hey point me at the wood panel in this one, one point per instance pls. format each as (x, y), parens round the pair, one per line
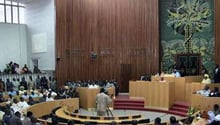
(182, 85)
(117, 31)
(151, 90)
(204, 103)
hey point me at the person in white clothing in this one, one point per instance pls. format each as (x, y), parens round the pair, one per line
(206, 79)
(23, 104)
(204, 92)
(49, 98)
(15, 107)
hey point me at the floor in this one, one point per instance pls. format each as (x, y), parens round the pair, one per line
(146, 114)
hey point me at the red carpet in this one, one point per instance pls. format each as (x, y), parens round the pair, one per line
(124, 102)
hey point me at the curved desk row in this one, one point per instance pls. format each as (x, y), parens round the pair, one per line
(45, 108)
(65, 114)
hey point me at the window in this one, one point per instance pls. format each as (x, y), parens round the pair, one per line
(15, 14)
(11, 11)
(2, 14)
(8, 14)
(8, 2)
(14, 3)
(21, 15)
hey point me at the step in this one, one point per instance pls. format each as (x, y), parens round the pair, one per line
(129, 107)
(179, 109)
(181, 104)
(129, 104)
(129, 100)
(183, 114)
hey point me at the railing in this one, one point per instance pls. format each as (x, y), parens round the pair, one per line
(4, 77)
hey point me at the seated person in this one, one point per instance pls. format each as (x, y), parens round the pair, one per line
(25, 69)
(15, 106)
(206, 79)
(212, 113)
(2, 99)
(157, 121)
(162, 77)
(216, 109)
(53, 94)
(23, 104)
(93, 85)
(214, 92)
(49, 97)
(204, 92)
(12, 92)
(25, 95)
(176, 73)
(173, 121)
(31, 101)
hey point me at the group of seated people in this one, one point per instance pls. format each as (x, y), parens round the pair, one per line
(16, 102)
(211, 117)
(16, 118)
(14, 110)
(94, 84)
(27, 84)
(14, 68)
(173, 121)
(206, 91)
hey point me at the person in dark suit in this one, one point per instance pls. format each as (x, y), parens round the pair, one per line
(16, 119)
(217, 74)
(157, 121)
(214, 92)
(173, 121)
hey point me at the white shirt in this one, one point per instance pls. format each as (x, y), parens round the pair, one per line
(15, 107)
(204, 92)
(93, 86)
(49, 99)
(23, 105)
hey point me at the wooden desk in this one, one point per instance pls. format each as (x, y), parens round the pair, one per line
(99, 119)
(156, 94)
(204, 103)
(45, 108)
(195, 86)
(87, 96)
(182, 86)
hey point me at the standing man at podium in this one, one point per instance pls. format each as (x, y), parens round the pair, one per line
(102, 102)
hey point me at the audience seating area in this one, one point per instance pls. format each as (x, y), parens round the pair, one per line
(4, 77)
(146, 92)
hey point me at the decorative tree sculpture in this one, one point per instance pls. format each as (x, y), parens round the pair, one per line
(187, 17)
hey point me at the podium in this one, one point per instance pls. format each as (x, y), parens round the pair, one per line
(157, 95)
(182, 85)
(87, 96)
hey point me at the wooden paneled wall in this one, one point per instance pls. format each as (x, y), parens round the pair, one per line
(217, 31)
(124, 34)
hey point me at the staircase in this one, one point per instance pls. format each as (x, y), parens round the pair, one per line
(179, 108)
(129, 103)
(124, 102)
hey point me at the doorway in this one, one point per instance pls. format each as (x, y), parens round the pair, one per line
(125, 77)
